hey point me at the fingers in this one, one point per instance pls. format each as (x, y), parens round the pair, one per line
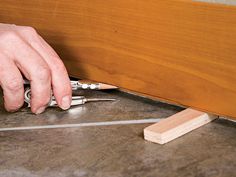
(11, 83)
(24, 50)
(60, 79)
(34, 67)
(38, 74)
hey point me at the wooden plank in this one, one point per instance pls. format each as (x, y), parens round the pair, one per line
(180, 51)
(177, 125)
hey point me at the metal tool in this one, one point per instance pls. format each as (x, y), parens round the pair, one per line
(75, 85)
(85, 85)
(76, 100)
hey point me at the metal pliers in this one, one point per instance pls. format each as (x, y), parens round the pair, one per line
(76, 100)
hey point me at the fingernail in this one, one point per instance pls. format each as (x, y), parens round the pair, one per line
(40, 110)
(65, 102)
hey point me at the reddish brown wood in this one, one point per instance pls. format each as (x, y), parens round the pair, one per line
(180, 51)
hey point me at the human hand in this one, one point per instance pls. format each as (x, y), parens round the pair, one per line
(23, 51)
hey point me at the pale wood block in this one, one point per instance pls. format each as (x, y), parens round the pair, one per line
(177, 125)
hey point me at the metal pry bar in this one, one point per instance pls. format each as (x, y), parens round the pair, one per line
(90, 86)
(79, 100)
(76, 100)
(85, 85)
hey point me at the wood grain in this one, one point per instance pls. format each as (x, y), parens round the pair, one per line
(177, 125)
(177, 50)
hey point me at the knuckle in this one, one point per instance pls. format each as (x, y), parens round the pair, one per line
(13, 106)
(43, 74)
(59, 66)
(42, 101)
(29, 30)
(9, 36)
(14, 84)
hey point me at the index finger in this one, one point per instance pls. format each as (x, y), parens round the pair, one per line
(60, 80)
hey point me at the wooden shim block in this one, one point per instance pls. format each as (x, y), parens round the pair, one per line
(168, 49)
(177, 125)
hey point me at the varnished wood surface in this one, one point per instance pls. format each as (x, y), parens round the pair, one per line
(177, 50)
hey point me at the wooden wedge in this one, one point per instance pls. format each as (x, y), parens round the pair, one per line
(177, 125)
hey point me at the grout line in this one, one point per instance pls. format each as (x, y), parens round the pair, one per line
(90, 124)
